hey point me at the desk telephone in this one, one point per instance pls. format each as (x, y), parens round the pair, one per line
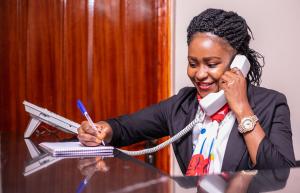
(210, 104)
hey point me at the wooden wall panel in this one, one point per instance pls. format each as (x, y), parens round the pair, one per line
(8, 36)
(44, 67)
(13, 30)
(75, 57)
(144, 73)
(163, 70)
(108, 85)
(141, 59)
(111, 54)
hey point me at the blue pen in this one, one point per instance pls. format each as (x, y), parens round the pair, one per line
(84, 182)
(84, 112)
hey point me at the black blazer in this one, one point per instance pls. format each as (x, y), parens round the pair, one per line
(172, 115)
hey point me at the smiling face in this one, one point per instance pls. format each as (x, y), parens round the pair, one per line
(209, 57)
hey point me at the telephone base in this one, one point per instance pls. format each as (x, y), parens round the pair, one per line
(39, 115)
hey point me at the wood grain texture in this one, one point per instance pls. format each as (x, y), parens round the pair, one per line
(44, 67)
(163, 70)
(13, 33)
(111, 54)
(75, 58)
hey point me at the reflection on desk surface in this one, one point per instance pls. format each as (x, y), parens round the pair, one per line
(25, 168)
(39, 159)
(243, 181)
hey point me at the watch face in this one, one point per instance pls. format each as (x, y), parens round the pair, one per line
(248, 124)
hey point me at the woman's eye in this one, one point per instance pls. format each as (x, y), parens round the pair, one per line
(212, 65)
(193, 65)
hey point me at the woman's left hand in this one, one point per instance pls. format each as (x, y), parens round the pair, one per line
(235, 88)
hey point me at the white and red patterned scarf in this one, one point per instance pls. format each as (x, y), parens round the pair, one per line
(210, 139)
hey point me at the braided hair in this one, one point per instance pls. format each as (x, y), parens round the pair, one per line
(234, 29)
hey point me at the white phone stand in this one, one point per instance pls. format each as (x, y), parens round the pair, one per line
(39, 115)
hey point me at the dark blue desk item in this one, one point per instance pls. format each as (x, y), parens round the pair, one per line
(27, 169)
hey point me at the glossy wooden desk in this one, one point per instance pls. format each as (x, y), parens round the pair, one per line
(30, 170)
(22, 173)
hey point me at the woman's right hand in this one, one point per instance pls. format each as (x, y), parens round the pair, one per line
(89, 137)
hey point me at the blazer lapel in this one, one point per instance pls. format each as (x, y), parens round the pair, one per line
(236, 146)
(185, 144)
(234, 151)
(191, 117)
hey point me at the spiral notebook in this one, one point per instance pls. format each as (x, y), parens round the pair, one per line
(76, 149)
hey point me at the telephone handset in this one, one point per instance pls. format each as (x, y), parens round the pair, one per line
(214, 101)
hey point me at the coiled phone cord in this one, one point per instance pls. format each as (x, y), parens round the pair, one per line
(169, 141)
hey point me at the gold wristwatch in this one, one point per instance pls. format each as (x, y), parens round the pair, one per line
(247, 124)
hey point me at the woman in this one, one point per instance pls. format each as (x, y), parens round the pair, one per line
(252, 131)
